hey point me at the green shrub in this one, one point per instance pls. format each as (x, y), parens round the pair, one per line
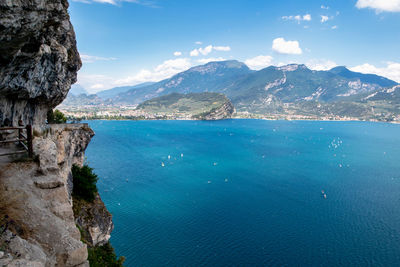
(84, 181)
(55, 116)
(104, 256)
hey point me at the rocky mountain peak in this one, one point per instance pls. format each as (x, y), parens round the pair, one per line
(339, 69)
(292, 67)
(212, 67)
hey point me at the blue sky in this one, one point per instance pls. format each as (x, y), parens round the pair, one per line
(126, 42)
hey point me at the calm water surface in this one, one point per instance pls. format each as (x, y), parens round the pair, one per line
(248, 192)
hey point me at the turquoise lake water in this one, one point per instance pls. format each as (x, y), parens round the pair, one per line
(248, 192)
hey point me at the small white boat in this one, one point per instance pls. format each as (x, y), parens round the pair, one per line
(162, 164)
(169, 156)
(325, 196)
(181, 155)
(226, 180)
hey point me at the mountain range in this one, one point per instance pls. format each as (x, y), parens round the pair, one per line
(290, 83)
(289, 89)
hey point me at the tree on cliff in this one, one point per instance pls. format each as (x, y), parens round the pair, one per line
(56, 116)
(84, 181)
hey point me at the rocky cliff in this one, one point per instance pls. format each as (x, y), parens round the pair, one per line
(38, 63)
(94, 221)
(36, 204)
(38, 58)
(225, 111)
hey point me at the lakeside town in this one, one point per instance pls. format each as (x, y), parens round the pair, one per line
(131, 112)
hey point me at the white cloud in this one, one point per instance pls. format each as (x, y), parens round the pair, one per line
(391, 70)
(380, 5)
(97, 86)
(91, 59)
(321, 64)
(94, 82)
(307, 17)
(324, 18)
(259, 62)
(324, 7)
(210, 59)
(199, 43)
(165, 70)
(172, 66)
(208, 49)
(177, 53)
(194, 53)
(222, 48)
(298, 18)
(334, 27)
(281, 46)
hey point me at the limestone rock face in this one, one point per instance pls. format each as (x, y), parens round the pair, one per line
(36, 203)
(38, 63)
(94, 220)
(61, 145)
(223, 112)
(30, 254)
(38, 58)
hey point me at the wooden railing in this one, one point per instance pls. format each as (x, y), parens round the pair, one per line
(24, 139)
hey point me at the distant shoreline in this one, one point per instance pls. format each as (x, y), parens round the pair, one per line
(266, 119)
